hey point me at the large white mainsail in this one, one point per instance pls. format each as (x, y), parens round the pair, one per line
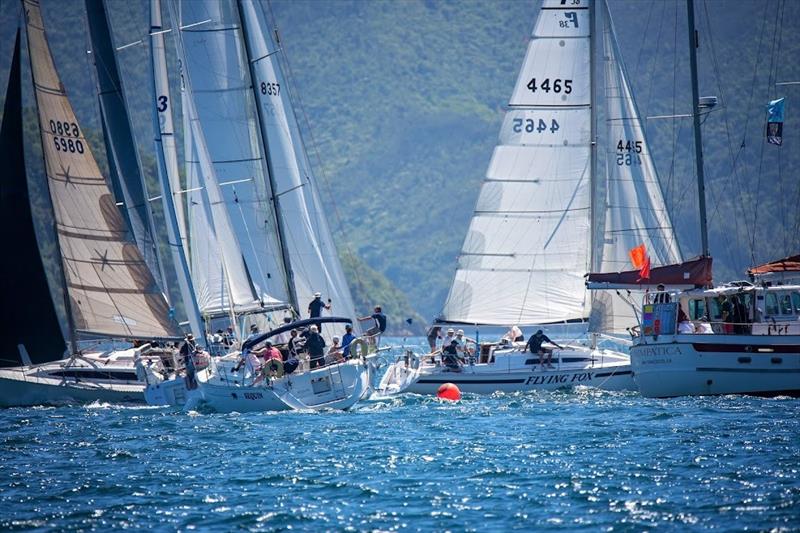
(222, 278)
(528, 244)
(315, 265)
(548, 210)
(111, 290)
(219, 89)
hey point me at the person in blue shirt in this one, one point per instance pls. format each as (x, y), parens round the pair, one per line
(347, 338)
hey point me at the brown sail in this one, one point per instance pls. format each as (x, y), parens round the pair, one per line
(111, 290)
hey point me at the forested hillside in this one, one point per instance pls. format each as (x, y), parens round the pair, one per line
(405, 98)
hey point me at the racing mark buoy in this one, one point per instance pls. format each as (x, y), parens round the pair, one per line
(448, 391)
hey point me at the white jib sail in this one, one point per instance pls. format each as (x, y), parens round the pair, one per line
(635, 211)
(111, 290)
(527, 248)
(314, 259)
(222, 97)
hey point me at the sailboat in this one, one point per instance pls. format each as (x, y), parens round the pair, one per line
(696, 339)
(255, 227)
(108, 289)
(561, 197)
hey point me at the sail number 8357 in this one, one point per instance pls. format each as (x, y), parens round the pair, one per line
(65, 136)
(530, 125)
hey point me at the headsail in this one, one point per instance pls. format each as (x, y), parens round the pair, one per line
(123, 157)
(29, 321)
(528, 244)
(111, 290)
(313, 256)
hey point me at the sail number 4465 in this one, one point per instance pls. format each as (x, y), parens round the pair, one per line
(557, 85)
(530, 125)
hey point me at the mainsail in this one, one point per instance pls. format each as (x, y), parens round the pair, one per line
(548, 212)
(30, 330)
(225, 135)
(111, 290)
(314, 262)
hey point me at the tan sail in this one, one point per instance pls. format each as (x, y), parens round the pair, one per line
(111, 290)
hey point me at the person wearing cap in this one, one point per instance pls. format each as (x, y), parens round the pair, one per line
(450, 356)
(450, 337)
(347, 338)
(535, 346)
(315, 345)
(462, 342)
(380, 324)
(662, 297)
(317, 305)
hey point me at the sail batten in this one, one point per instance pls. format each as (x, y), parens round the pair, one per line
(111, 290)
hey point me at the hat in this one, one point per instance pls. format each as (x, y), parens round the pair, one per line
(253, 327)
(314, 327)
(450, 331)
(348, 327)
(190, 336)
(460, 332)
(660, 286)
(268, 344)
(317, 294)
(539, 332)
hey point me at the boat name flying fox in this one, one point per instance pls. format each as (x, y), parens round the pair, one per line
(559, 378)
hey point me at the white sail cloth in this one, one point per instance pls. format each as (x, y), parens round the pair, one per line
(547, 212)
(111, 290)
(312, 253)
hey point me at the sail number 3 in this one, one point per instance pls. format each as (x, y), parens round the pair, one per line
(65, 136)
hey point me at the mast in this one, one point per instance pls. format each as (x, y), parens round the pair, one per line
(698, 140)
(162, 103)
(595, 257)
(281, 231)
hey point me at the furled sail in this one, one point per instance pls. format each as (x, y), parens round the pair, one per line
(30, 333)
(225, 132)
(528, 244)
(123, 158)
(111, 290)
(313, 258)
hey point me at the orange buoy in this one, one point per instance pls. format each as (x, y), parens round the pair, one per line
(448, 391)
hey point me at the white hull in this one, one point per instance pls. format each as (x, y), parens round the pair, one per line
(514, 371)
(106, 377)
(682, 365)
(219, 389)
(19, 387)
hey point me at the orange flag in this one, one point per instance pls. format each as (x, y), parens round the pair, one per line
(638, 255)
(644, 272)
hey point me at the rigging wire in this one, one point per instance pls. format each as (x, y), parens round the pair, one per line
(347, 248)
(770, 82)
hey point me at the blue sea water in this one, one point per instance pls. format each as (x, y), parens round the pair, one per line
(561, 461)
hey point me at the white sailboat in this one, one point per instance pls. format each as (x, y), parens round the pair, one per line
(553, 206)
(685, 344)
(108, 288)
(258, 153)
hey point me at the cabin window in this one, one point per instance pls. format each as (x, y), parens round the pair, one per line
(697, 309)
(786, 304)
(796, 302)
(715, 312)
(771, 304)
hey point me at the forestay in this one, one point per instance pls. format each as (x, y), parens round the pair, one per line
(312, 253)
(111, 290)
(528, 244)
(225, 133)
